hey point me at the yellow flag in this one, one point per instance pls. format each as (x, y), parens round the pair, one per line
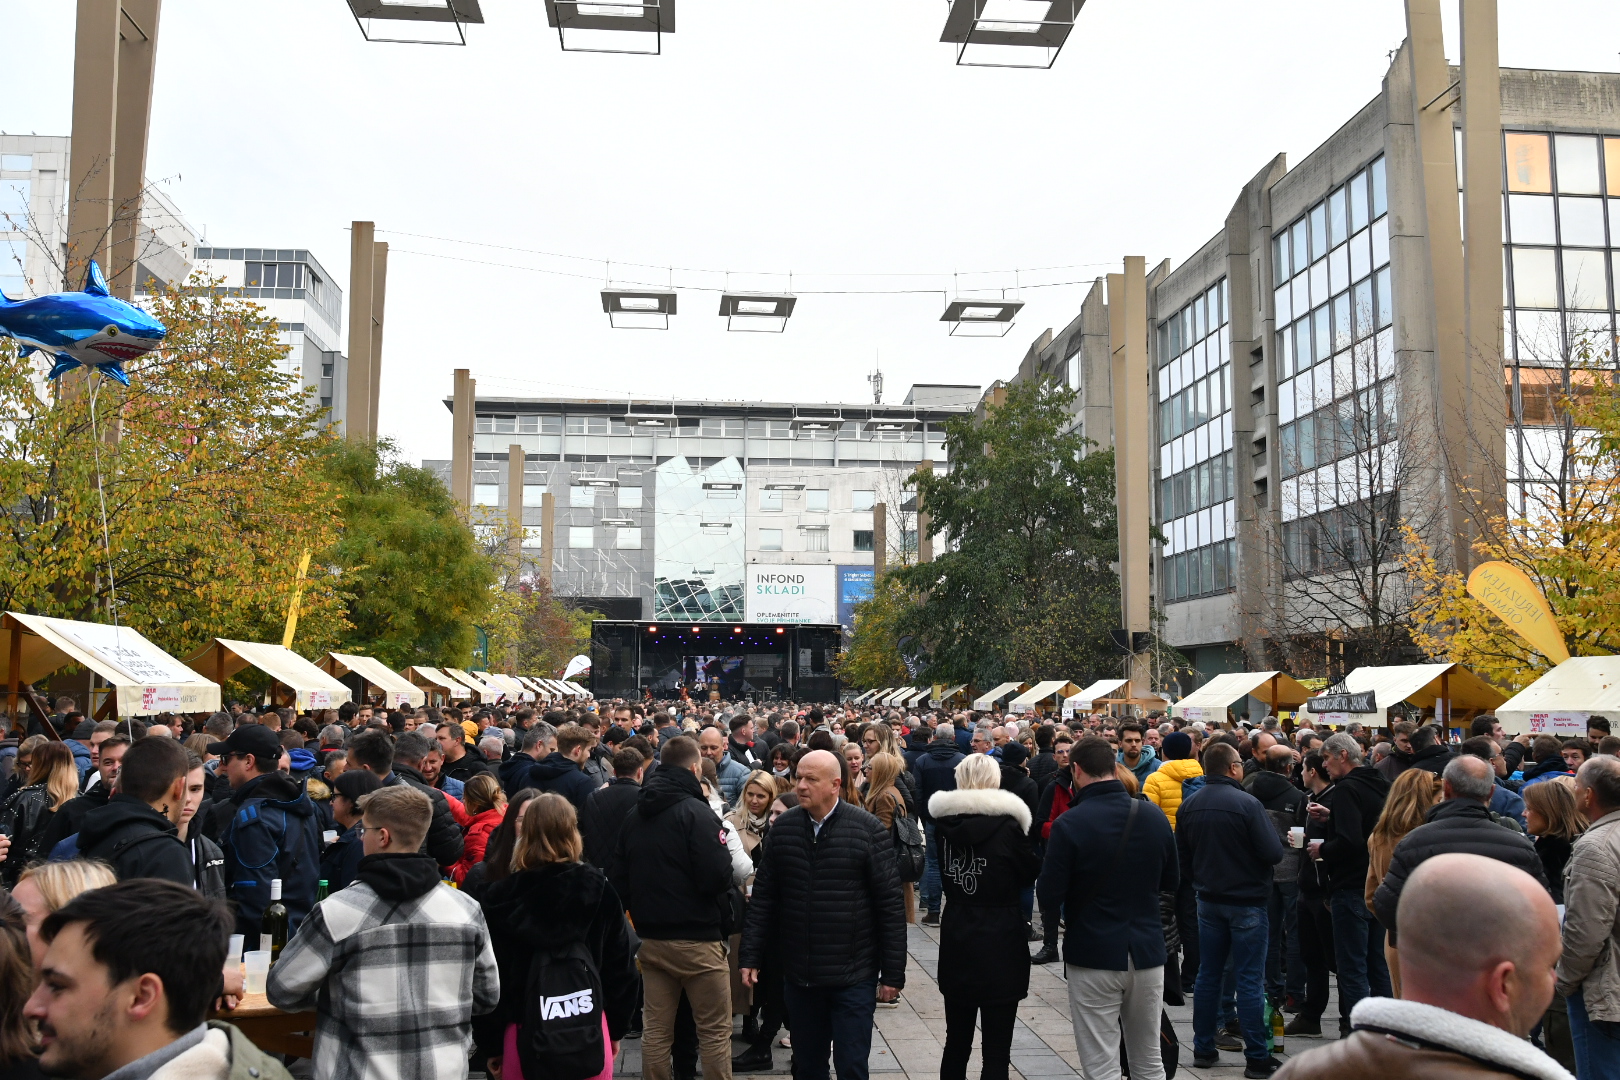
(1514, 598)
(292, 608)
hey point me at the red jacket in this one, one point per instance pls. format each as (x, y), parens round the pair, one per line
(477, 839)
(1062, 799)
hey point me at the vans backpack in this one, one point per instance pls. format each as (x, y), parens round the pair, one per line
(562, 1016)
(908, 847)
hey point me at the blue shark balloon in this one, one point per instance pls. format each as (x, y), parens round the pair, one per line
(91, 328)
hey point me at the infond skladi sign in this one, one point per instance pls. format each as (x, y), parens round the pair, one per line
(1363, 702)
(786, 593)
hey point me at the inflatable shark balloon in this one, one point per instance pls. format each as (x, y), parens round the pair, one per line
(91, 328)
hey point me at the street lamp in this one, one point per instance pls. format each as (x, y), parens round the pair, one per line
(760, 313)
(981, 318)
(638, 309)
(427, 22)
(612, 26)
(1009, 33)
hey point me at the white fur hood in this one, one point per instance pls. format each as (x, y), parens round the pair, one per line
(983, 801)
(1447, 1030)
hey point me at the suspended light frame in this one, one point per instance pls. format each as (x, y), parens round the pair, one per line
(759, 313)
(374, 16)
(638, 309)
(1009, 33)
(981, 318)
(636, 27)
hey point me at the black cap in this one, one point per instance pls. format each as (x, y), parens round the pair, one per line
(354, 784)
(255, 739)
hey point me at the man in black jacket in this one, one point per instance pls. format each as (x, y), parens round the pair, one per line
(563, 772)
(673, 871)
(1043, 766)
(1108, 882)
(401, 764)
(602, 819)
(1461, 822)
(1228, 848)
(935, 770)
(828, 895)
(1358, 799)
(534, 746)
(741, 745)
(1285, 807)
(461, 761)
(136, 832)
(70, 818)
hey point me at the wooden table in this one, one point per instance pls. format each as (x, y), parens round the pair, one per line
(270, 1029)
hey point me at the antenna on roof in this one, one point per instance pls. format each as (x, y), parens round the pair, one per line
(876, 380)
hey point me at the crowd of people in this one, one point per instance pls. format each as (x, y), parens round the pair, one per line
(516, 889)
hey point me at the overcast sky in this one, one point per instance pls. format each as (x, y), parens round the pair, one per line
(827, 138)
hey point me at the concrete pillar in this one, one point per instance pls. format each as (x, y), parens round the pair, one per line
(548, 528)
(1128, 337)
(880, 536)
(1481, 97)
(514, 507)
(925, 535)
(137, 55)
(461, 440)
(379, 296)
(92, 164)
(368, 285)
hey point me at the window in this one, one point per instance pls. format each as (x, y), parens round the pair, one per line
(506, 425)
(815, 501)
(533, 494)
(534, 536)
(586, 425)
(1532, 219)
(861, 501)
(1528, 164)
(274, 275)
(581, 495)
(14, 202)
(1535, 282)
(17, 162)
(629, 538)
(528, 425)
(629, 498)
(770, 539)
(717, 428)
(581, 536)
(486, 495)
(863, 539)
(770, 500)
(815, 540)
(484, 423)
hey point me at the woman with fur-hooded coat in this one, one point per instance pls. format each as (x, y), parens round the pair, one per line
(985, 863)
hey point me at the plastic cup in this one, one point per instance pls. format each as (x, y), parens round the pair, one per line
(255, 970)
(329, 837)
(1296, 836)
(233, 954)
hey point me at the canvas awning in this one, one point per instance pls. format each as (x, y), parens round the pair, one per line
(146, 679)
(518, 691)
(868, 696)
(1038, 693)
(577, 690)
(396, 689)
(948, 694)
(552, 687)
(311, 688)
(483, 693)
(916, 698)
(1562, 700)
(1419, 684)
(532, 685)
(1101, 690)
(434, 680)
(1210, 701)
(893, 696)
(986, 702)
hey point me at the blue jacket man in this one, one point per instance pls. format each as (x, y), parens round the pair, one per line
(934, 770)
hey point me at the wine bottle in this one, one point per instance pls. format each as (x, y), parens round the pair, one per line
(275, 921)
(320, 891)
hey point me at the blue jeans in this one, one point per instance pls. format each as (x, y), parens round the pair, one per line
(1228, 931)
(1597, 1051)
(1358, 945)
(933, 890)
(1284, 937)
(831, 1018)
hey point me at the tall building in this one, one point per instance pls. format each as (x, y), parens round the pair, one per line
(1324, 366)
(294, 288)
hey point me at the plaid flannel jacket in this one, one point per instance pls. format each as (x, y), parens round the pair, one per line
(394, 985)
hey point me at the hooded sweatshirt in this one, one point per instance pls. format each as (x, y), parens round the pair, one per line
(672, 862)
(136, 841)
(1146, 763)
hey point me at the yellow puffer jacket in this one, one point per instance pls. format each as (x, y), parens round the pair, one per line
(1163, 785)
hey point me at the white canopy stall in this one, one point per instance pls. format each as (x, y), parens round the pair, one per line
(396, 689)
(1565, 698)
(1041, 694)
(483, 693)
(438, 686)
(145, 679)
(986, 702)
(294, 680)
(1367, 693)
(1210, 701)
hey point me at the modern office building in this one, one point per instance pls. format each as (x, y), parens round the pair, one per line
(292, 287)
(1330, 361)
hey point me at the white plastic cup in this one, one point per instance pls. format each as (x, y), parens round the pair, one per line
(1296, 836)
(255, 970)
(233, 954)
(329, 837)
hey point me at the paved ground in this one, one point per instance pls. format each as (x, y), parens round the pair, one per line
(909, 1039)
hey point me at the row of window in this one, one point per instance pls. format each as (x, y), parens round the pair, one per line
(1582, 165)
(1331, 222)
(1351, 316)
(1353, 425)
(1202, 572)
(1199, 403)
(816, 500)
(1358, 368)
(1191, 490)
(629, 538)
(1345, 536)
(704, 427)
(1197, 320)
(1571, 278)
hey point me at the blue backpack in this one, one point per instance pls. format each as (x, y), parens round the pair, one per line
(1191, 786)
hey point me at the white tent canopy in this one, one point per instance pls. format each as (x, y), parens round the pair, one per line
(432, 678)
(1420, 684)
(948, 692)
(1210, 701)
(1562, 700)
(1040, 692)
(396, 689)
(147, 680)
(871, 696)
(1102, 688)
(482, 692)
(986, 702)
(311, 687)
(518, 691)
(577, 690)
(897, 696)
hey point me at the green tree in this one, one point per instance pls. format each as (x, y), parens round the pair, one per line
(873, 658)
(1026, 587)
(410, 568)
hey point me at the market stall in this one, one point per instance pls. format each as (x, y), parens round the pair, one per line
(1043, 696)
(987, 702)
(145, 679)
(516, 689)
(1103, 693)
(439, 688)
(1367, 694)
(1211, 701)
(294, 680)
(950, 697)
(870, 696)
(395, 689)
(577, 690)
(481, 692)
(1565, 698)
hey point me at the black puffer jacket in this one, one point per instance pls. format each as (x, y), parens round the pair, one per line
(603, 817)
(1455, 825)
(136, 841)
(1042, 767)
(1285, 806)
(831, 903)
(935, 770)
(70, 819)
(671, 866)
(1016, 779)
(985, 863)
(444, 835)
(546, 907)
(1358, 799)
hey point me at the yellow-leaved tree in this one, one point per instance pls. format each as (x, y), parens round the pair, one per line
(1562, 528)
(210, 471)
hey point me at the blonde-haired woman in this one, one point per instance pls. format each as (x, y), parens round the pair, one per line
(1411, 797)
(53, 779)
(885, 800)
(48, 887)
(551, 900)
(985, 862)
(1554, 820)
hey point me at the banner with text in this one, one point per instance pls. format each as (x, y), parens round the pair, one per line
(785, 593)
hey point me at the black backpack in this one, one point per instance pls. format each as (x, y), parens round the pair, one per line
(908, 847)
(562, 1016)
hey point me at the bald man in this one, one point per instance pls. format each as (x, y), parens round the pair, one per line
(1470, 993)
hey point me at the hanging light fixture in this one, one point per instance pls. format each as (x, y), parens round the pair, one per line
(421, 22)
(981, 318)
(612, 26)
(765, 313)
(1009, 33)
(638, 309)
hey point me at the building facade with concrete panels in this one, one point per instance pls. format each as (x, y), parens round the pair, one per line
(1301, 372)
